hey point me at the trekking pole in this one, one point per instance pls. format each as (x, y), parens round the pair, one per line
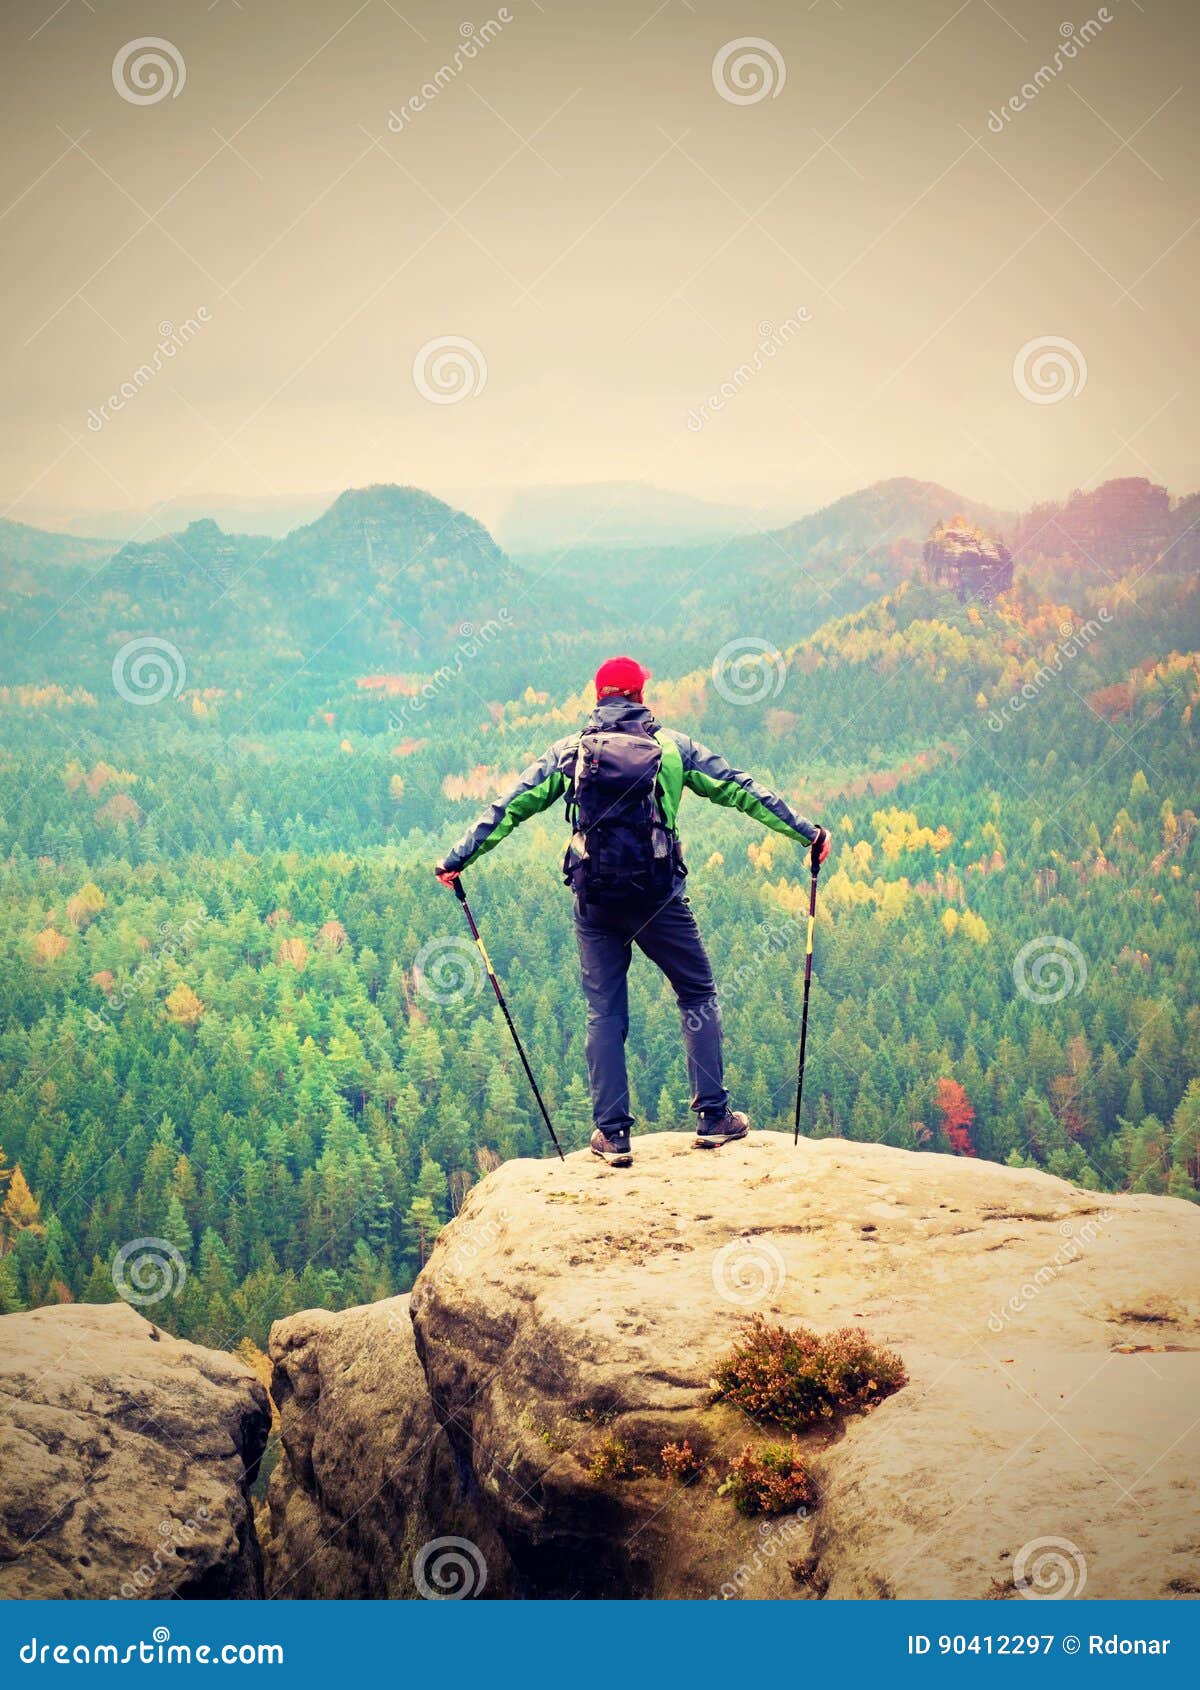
(815, 869)
(491, 973)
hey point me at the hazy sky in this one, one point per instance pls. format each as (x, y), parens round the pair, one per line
(613, 236)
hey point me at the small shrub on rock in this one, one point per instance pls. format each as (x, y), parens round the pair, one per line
(771, 1480)
(680, 1461)
(796, 1378)
(615, 1459)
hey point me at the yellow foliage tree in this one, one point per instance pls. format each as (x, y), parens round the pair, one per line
(20, 1211)
(293, 951)
(85, 905)
(183, 1006)
(49, 945)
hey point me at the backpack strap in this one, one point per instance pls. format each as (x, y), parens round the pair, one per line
(570, 801)
(670, 778)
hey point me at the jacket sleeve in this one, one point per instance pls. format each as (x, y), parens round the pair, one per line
(708, 774)
(536, 789)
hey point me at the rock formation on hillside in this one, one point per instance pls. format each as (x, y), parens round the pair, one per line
(126, 1458)
(959, 555)
(568, 1325)
(368, 1474)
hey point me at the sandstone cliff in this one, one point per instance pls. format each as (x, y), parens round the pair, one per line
(125, 1460)
(958, 554)
(569, 1323)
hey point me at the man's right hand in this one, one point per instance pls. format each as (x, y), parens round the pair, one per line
(447, 876)
(826, 840)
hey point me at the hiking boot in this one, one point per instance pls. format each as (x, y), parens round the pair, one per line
(612, 1148)
(710, 1134)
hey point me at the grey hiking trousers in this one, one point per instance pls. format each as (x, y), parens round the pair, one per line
(668, 935)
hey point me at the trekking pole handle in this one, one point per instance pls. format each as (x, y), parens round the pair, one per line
(814, 863)
(458, 891)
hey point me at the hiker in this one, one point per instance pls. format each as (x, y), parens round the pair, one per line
(622, 779)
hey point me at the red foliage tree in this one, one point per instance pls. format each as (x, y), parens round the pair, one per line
(957, 1115)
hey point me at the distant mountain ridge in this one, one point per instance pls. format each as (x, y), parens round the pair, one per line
(618, 513)
(393, 573)
(21, 543)
(878, 516)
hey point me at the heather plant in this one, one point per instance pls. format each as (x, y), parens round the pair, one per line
(680, 1461)
(771, 1480)
(795, 1378)
(615, 1459)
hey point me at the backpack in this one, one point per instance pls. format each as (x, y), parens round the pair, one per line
(620, 850)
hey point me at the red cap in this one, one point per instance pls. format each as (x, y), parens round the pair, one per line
(621, 674)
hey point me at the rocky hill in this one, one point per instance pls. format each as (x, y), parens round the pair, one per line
(568, 1325)
(959, 555)
(126, 1459)
(502, 1432)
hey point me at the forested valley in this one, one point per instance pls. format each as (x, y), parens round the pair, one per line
(238, 1014)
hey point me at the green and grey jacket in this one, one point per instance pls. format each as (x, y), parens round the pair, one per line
(684, 764)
